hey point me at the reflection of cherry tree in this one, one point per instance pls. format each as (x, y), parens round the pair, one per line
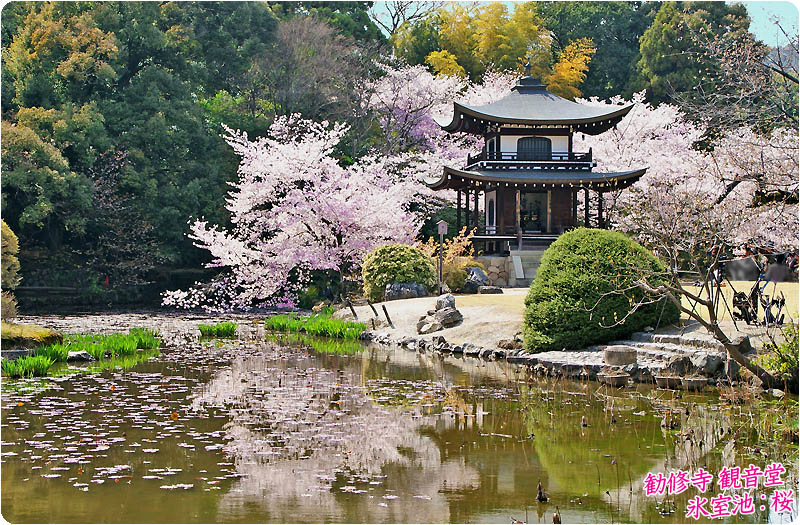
(314, 433)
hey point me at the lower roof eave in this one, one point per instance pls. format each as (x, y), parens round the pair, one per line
(453, 178)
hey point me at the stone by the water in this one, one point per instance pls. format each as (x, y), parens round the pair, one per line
(619, 355)
(80, 356)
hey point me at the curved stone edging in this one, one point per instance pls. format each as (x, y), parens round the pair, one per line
(583, 365)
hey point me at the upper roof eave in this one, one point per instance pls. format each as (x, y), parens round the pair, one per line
(460, 109)
(590, 179)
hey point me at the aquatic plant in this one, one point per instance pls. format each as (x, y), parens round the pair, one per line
(96, 350)
(28, 366)
(57, 352)
(98, 345)
(8, 367)
(145, 338)
(120, 344)
(319, 324)
(224, 329)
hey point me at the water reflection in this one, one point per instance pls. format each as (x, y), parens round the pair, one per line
(281, 433)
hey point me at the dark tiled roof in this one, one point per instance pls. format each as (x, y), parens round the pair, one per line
(529, 103)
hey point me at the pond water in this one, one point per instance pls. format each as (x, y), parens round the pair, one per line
(269, 430)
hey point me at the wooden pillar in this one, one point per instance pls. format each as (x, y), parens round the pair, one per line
(499, 221)
(466, 208)
(458, 210)
(574, 221)
(516, 221)
(586, 202)
(476, 209)
(600, 210)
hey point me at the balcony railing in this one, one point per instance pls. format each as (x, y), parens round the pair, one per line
(502, 160)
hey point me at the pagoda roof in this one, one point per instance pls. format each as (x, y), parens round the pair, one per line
(530, 104)
(452, 178)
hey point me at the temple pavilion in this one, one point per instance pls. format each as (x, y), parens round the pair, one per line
(527, 172)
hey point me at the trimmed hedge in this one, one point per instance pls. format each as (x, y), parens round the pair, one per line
(566, 308)
(396, 263)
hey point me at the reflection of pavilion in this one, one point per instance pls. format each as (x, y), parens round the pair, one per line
(527, 171)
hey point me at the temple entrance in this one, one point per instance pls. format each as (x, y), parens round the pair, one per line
(533, 212)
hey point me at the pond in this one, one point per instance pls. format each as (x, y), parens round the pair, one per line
(272, 429)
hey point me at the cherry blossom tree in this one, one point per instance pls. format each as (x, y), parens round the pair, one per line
(693, 205)
(294, 209)
(409, 102)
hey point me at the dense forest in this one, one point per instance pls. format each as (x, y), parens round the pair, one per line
(112, 112)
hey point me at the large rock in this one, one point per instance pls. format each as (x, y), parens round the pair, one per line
(509, 344)
(619, 355)
(470, 287)
(427, 327)
(81, 356)
(680, 365)
(448, 317)
(489, 290)
(404, 291)
(708, 364)
(445, 301)
(476, 275)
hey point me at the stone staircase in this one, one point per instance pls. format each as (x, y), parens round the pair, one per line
(526, 263)
(656, 351)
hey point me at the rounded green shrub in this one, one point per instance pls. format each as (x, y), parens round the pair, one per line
(454, 277)
(584, 289)
(396, 263)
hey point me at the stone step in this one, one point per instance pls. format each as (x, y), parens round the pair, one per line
(664, 349)
(677, 339)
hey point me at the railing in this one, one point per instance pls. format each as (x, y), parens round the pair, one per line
(503, 160)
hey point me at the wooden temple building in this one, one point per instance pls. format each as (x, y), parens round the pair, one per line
(527, 171)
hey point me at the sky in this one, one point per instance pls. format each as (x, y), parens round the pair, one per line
(761, 15)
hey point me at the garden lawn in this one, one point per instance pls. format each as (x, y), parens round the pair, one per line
(790, 291)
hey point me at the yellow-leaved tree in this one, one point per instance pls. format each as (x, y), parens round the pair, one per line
(570, 69)
(474, 38)
(444, 63)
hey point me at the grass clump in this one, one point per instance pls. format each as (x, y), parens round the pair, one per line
(58, 352)
(123, 349)
(224, 329)
(320, 324)
(146, 339)
(28, 366)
